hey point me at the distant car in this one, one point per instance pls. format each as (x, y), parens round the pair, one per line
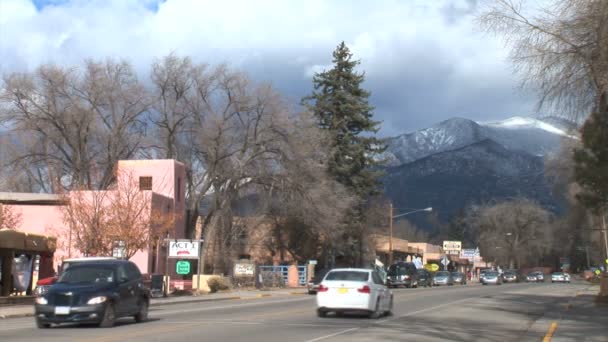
(492, 278)
(345, 290)
(560, 277)
(94, 292)
(402, 274)
(443, 278)
(540, 276)
(43, 285)
(425, 278)
(509, 277)
(313, 285)
(459, 278)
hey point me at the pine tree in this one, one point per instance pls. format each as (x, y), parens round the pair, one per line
(591, 168)
(341, 107)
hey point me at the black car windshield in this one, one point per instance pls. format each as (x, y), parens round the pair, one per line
(347, 276)
(398, 269)
(89, 274)
(442, 274)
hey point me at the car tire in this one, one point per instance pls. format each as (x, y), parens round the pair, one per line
(42, 325)
(321, 313)
(109, 316)
(376, 313)
(142, 315)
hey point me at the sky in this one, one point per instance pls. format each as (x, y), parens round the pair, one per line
(425, 60)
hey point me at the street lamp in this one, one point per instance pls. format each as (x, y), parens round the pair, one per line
(392, 217)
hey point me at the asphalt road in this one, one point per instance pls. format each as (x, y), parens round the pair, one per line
(511, 312)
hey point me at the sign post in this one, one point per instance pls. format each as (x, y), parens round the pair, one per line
(183, 249)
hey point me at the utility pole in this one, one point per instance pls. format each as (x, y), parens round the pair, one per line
(605, 231)
(390, 237)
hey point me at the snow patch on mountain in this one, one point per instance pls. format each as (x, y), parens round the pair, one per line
(518, 122)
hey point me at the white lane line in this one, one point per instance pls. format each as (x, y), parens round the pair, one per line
(333, 335)
(210, 308)
(421, 311)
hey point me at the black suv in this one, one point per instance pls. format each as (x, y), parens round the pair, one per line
(402, 274)
(96, 292)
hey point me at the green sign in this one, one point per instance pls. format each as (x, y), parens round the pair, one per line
(182, 267)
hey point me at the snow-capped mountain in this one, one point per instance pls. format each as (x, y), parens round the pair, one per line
(534, 136)
(460, 162)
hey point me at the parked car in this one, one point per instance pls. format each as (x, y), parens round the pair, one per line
(402, 274)
(354, 290)
(540, 276)
(459, 278)
(42, 285)
(425, 278)
(531, 277)
(94, 292)
(560, 277)
(313, 284)
(510, 277)
(443, 278)
(492, 277)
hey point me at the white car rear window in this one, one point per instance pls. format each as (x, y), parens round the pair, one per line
(348, 276)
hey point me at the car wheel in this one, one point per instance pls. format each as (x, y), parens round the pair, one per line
(321, 313)
(142, 315)
(42, 325)
(109, 317)
(376, 313)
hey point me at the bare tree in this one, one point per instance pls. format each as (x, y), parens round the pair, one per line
(75, 124)
(137, 217)
(87, 217)
(511, 232)
(560, 48)
(9, 218)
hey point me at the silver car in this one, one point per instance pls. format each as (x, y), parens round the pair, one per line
(491, 278)
(443, 278)
(459, 278)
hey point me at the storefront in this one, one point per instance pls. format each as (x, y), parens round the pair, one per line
(23, 259)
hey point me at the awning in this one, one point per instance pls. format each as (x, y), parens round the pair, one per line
(26, 242)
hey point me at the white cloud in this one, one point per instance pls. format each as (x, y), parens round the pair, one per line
(392, 38)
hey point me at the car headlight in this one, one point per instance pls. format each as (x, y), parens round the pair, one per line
(97, 300)
(41, 301)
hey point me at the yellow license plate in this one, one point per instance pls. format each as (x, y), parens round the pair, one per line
(342, 290)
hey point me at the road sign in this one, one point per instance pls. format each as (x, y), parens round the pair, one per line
(445, 261)
(432, 267)
(182, 267)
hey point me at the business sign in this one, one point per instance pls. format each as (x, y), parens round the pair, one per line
(432, 267)
(182, 267)
(183, 249)
(244, 269)
(452, 245)
(470, 254)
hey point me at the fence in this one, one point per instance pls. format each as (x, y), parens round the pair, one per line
(278, 276)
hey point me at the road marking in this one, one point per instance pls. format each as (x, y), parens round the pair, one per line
(333, 335)
(550, 332)
(423, 310)
(210, 308)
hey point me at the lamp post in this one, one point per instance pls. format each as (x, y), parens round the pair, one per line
(392, 217)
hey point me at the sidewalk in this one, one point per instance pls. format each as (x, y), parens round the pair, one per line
(583, 319)
(15, 311)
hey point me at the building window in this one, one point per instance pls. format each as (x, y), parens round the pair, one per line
(179, 188)
(145, 183)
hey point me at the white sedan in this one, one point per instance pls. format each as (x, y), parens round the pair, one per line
(354, 290)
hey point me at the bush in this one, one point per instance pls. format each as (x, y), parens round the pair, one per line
(217, 284)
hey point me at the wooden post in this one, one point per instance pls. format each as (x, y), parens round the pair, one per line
(390, 237)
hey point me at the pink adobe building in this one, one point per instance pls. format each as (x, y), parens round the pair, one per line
(162, 180)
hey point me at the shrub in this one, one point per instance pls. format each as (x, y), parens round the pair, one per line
(217, 284)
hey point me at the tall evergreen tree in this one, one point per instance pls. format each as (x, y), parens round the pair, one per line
(591, 168)
(341, 106)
